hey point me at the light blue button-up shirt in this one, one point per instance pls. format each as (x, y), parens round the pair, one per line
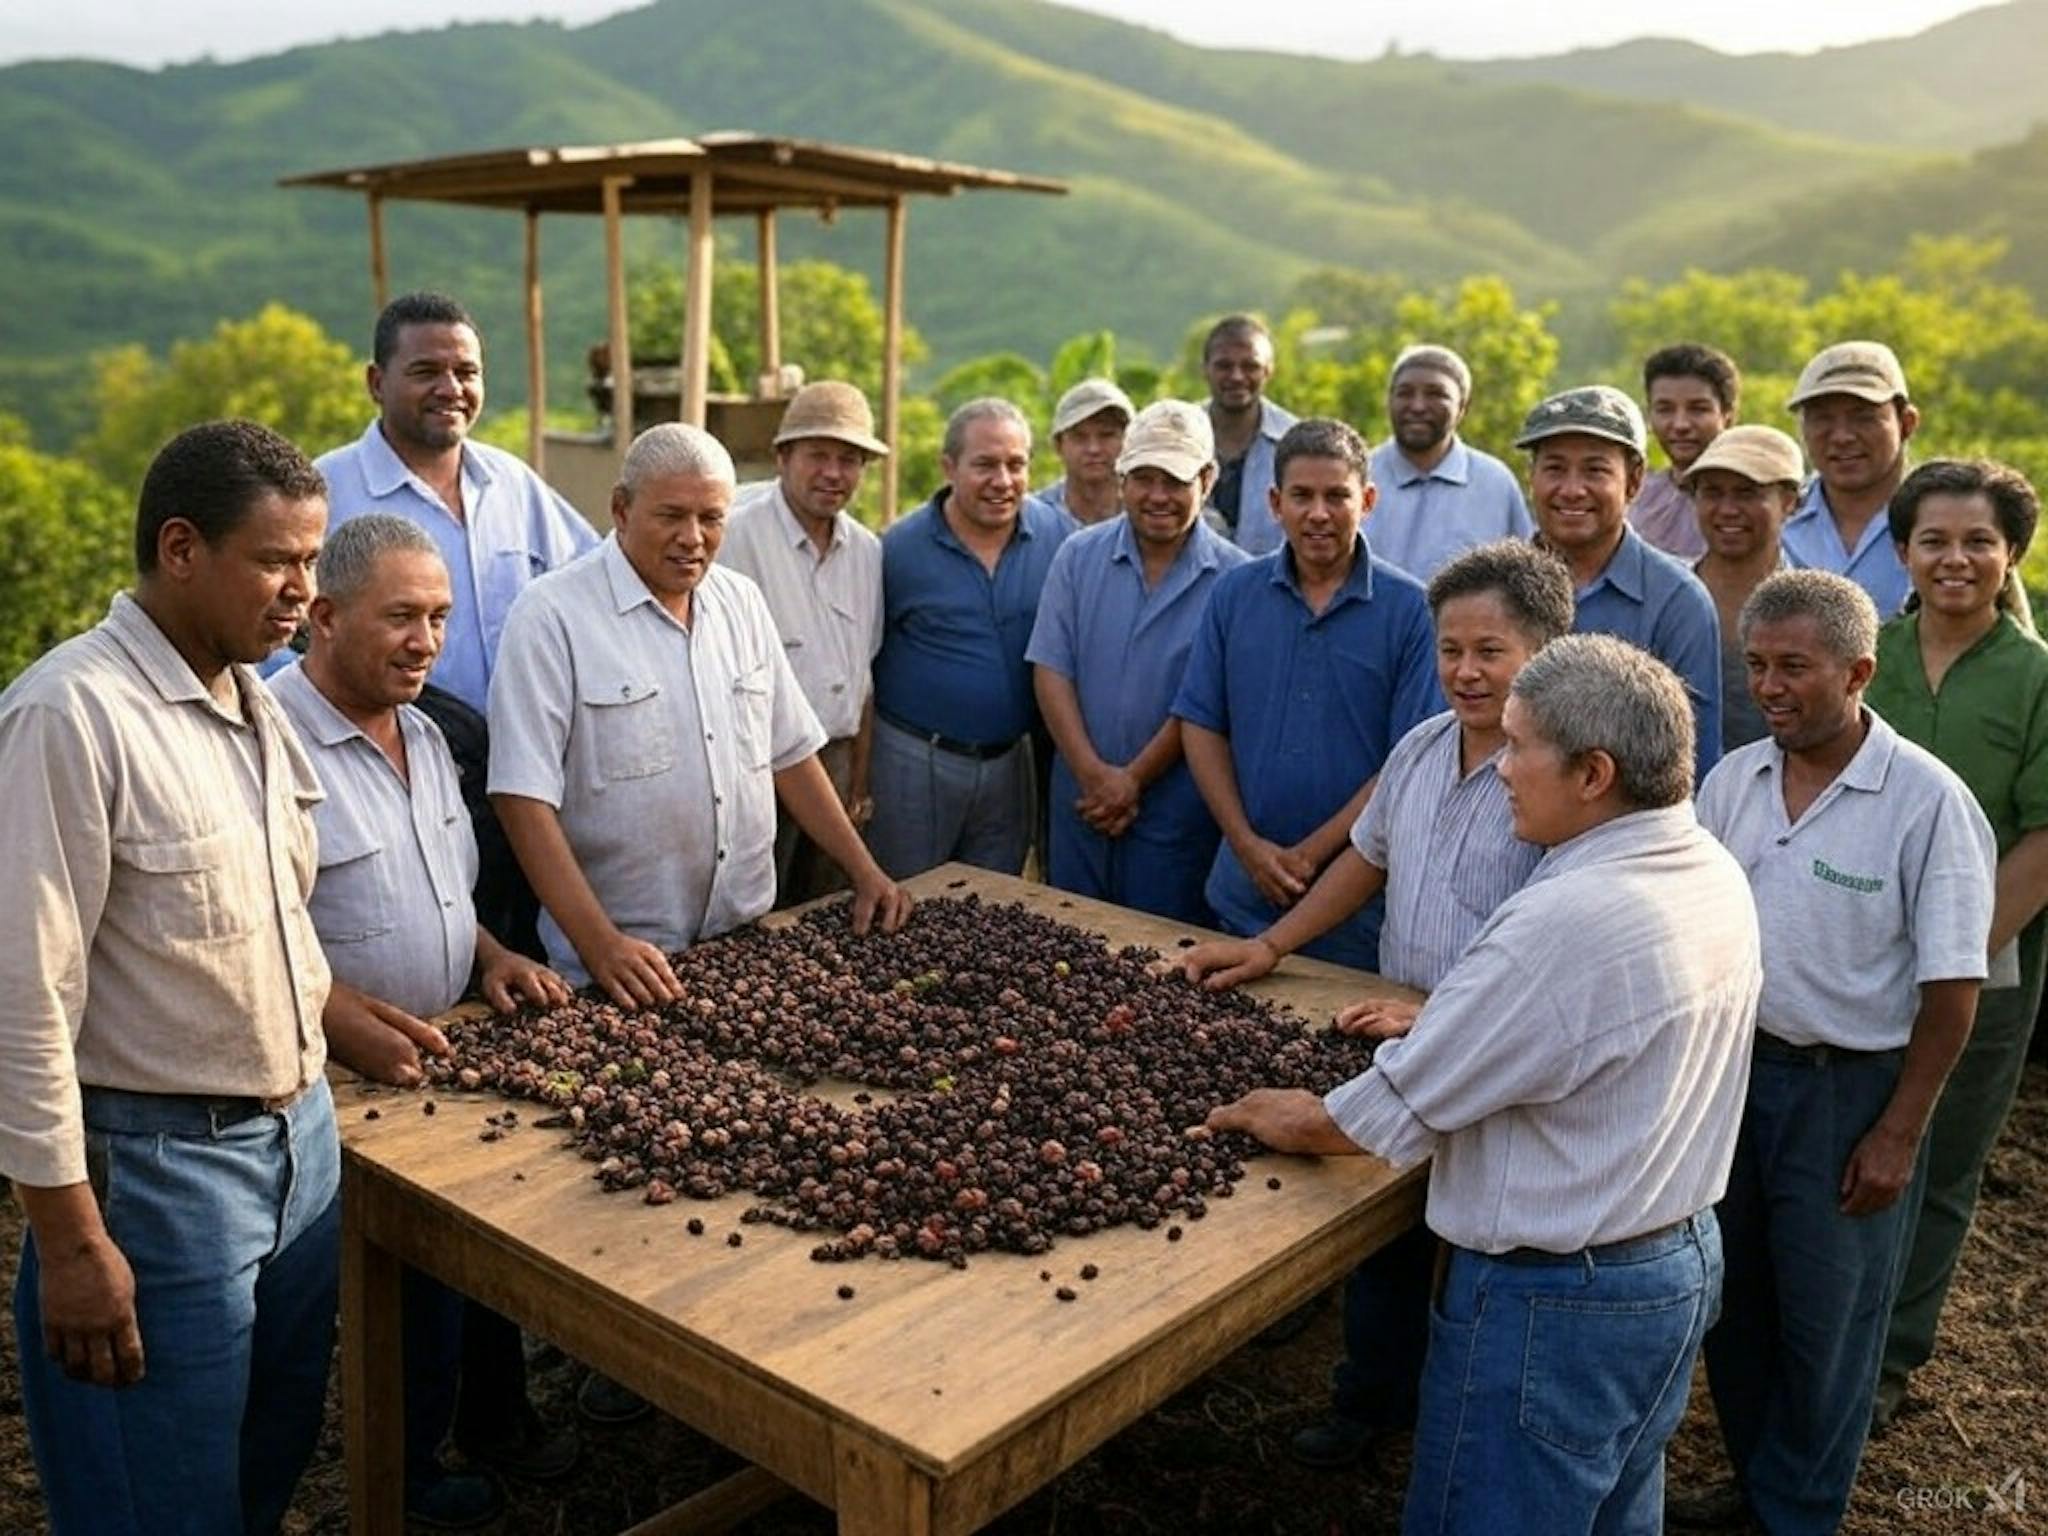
(398, 858)
(1648, 599)
(1258, 530)
(514, 527)
(1426, 517)
(1812, 541)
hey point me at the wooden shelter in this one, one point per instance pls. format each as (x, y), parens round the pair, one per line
(719, 174)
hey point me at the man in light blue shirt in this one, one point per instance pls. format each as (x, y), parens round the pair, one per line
(1856, 420)
(1115, 623)
(497, 523)
(1237, 360)
(1438, 495)
(1586, 449)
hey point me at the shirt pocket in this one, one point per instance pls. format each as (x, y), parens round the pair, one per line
(631, 733)
(753, 709)
(353, 898)
(191, 887)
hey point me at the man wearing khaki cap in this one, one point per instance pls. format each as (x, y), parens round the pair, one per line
(1088, 432)
(1741, 488)
(821, 572)
(1856, 419)
(1115, 623)
(1586, 449)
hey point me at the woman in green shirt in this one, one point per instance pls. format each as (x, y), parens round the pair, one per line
(1962, 673)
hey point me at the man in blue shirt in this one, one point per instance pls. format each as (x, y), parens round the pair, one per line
(1237, 360)
(951, 769)
(1308, 666)
(1856, 421)
(497, 523)
(1586, 450)
(1118, 616)
(1438, 495)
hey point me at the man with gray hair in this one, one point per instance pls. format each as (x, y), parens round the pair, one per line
(1579, 1102)
(643, 729)
(961, 577)
(1438, 495)
(1872, 868)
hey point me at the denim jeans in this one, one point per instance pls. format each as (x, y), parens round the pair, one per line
(233, 1236)
(1793, 1361)
(1552, 1386)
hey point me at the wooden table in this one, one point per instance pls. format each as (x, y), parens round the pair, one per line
(932, 1401)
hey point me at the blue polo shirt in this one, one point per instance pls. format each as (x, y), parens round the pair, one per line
(953, 634)
(1652, 601)
(1311, 704)
(1812, 541)
(1424, 518)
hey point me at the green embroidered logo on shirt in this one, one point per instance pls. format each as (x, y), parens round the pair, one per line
(1869, 885)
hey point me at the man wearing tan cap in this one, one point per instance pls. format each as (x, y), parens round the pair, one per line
(821, 572)
(1115, 622)
(1088, 432)
(1856, 419)
(1742, 486)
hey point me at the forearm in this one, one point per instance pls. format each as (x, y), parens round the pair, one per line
(1347, 884)
(806, 792)
(1942, 1029)
(542, 848)
(1334, 835)
(1158, 754)
(1215, 776)
(1060, 707)
(2022, 888)
(64, 1217)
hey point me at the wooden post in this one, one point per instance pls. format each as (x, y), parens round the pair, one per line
(536, 352)
(892, 354)
(697, 303)
(615, 291)
(380, 280)
(771, 312)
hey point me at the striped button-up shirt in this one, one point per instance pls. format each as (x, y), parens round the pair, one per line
(398, 858)
(1578, 1077)
(1446, 839)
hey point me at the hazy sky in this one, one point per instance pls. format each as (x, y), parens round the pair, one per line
(152, 32)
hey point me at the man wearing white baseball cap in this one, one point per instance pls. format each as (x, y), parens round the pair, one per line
(1088, 433)
(1856, 418)
(1115, 623)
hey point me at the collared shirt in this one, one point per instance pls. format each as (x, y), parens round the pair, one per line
(1666, 518)
(1251, 525)
(1055, 496)
(1579, 1076)
(1813, 542)
(952, 658)
(1311, 704)
(1446, 839)
(1883, 883)
(157, 939)
(656, 744)
(398, 859)
(514, 527)
(1647, 598)
(828, 611)
(1424, 518)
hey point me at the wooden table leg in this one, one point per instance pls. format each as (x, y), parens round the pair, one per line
(372, 1379)
(875, 1492)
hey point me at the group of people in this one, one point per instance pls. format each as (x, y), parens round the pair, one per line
(1687, 1026)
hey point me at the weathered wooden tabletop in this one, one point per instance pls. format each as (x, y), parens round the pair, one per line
(932, 1400)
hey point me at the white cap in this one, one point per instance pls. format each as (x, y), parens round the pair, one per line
(1089, 398)
(1171, 435)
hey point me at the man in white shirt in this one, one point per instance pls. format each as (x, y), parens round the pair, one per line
(1580, 1102)
(821, 572)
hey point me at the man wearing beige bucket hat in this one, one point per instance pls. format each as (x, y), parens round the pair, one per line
(1088, 433)
(821, 572)
(1857, 419)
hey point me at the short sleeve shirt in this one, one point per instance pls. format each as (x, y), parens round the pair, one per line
(1425, 518)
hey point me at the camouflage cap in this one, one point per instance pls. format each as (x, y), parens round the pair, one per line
(1597, 410)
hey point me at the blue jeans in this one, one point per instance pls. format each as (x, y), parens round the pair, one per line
(233, 1235)
(1552, 1386)
(932, 805)
(1793, 1361)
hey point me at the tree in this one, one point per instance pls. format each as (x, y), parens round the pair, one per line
(66, 546)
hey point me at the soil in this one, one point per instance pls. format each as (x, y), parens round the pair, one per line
(1215, 1457)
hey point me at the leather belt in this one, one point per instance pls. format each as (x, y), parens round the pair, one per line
(979, 751)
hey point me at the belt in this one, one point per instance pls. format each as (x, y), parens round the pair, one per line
(188, 1114)
(1819, 1054)
(980, 751)
(1619, 1252)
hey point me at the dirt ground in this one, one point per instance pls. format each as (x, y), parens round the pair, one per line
(1215, 1457)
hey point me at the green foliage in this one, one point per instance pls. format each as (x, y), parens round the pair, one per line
(66, 546)
(278, 367)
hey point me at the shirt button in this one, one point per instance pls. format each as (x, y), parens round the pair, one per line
(709, 737)
(447, 903)
(718, 799)
(839, 687)
(721, 853)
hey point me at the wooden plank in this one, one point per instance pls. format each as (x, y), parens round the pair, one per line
(372, 1383)
(892, 356)
(380, 280)
(876, 1493)
(615, 299)
(696, 337)
(718, 1508)
(771, 296)
(536, 352)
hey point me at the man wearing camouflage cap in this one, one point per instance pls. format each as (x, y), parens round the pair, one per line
(1115, 623)
(1856, 419)
(821, 572)
(1088, 433)
(1586, 450)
